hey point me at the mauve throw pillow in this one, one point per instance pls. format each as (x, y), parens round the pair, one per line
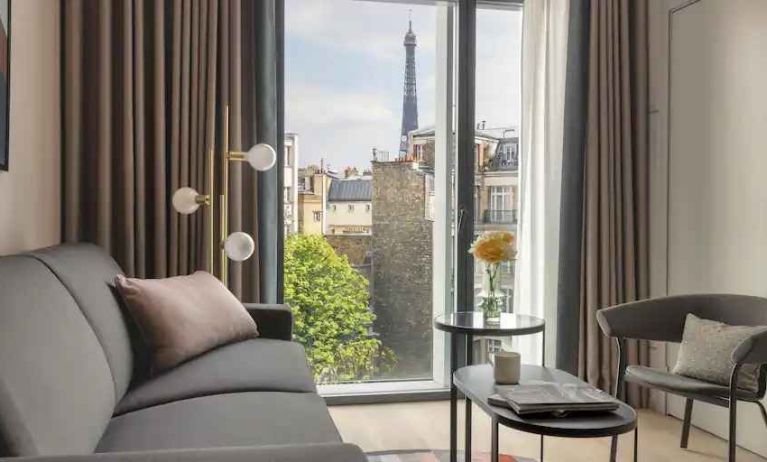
(184, 316)
(706, 349)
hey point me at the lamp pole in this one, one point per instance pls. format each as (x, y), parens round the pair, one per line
(238, 246)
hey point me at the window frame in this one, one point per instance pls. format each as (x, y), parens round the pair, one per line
(454, 213)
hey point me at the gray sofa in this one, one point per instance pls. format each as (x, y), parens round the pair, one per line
(73, 385)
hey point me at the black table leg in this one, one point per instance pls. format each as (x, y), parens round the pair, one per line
(636, 443)
(494, 441)
(541, 449)
(453, 399)
(469, 358)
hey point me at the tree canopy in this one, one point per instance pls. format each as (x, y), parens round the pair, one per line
(329, 300)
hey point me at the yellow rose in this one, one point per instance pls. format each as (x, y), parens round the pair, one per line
(494, 247)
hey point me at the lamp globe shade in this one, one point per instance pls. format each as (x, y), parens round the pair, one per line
(261, 157)
(185, 201)
(239, 246)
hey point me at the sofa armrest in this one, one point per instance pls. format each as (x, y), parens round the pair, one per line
(274, 321)
(335, 452)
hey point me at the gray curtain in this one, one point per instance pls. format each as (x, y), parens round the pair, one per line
(607, 262)
(145, 87)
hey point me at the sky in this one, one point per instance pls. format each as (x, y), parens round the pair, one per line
(345, 66)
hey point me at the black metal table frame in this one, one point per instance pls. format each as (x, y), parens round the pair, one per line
(497, 420)
(495, 451)
(469, 356)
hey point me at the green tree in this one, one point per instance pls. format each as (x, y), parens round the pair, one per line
(329, 300)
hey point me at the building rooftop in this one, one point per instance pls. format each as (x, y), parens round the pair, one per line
(351, 190)
(490, 133)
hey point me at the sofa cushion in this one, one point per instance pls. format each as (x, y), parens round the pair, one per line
(56, 389)
(252, 365)
(326, 452)
(88, 271)
(235, 419)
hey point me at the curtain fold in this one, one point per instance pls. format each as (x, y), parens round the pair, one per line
(609, 256)
(544, 51)
(571, 208)
(146, 84)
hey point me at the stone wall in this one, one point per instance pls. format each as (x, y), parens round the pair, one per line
(402, 267)
(355, 247)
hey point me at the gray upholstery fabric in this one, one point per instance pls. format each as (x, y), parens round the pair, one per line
(274, 321)
(680, 384)
(237, 419)
(663, 318)
(753, 350)
(330, 452)
(56, 388)
(66, 358)
(252, 365)
(87, 272)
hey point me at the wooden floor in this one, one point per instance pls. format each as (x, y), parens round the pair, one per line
(379, 427)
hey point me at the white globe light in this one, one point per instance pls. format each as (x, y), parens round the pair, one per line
(185, 201)
(261, 157)
(239, 246)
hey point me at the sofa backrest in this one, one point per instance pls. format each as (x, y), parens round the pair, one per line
(57, 391)
(88, 272)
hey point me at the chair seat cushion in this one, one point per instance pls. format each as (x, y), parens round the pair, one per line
(235, 419)
(674, 383)
(251, 365)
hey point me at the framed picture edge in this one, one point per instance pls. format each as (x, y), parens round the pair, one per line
(5, 166)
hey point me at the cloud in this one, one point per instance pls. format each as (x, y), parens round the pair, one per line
(329, 107)
(363, 27)
(345, 63)
(340, 126)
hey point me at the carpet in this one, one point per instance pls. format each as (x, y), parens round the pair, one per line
(427, 455)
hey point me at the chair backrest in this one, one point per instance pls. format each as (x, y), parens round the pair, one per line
(663, 318)
(57, 391)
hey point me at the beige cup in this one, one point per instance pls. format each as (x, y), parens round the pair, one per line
(506, 366)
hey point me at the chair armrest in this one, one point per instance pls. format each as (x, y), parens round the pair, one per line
(336, 452)
(274, 321)
(752, 350)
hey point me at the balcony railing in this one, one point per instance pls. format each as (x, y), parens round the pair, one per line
(499, 217)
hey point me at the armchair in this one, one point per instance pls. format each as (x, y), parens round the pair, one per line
(662, 319)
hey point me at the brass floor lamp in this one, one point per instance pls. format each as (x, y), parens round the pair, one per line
(238, 246)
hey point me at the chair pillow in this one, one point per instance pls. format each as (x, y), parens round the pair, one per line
(706, 349)
(184, 316)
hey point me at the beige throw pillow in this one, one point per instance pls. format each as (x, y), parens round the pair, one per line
(706, 350)
(184, 316)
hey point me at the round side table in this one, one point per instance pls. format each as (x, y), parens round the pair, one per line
(471, 324)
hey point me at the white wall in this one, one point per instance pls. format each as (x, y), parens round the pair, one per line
(339, 215)
(30, 192)
(709, 202)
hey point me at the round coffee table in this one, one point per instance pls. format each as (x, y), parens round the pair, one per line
(477, 383)
(470, 324)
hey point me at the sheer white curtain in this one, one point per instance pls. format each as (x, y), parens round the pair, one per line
(544, 59)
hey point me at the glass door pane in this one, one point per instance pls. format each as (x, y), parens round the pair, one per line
(362, 96)
(497, 113)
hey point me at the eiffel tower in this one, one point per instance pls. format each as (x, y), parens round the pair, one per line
(410, 99)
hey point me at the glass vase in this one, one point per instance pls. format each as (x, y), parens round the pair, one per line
(492, 297)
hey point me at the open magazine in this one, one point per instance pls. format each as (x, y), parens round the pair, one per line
(552, 398)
